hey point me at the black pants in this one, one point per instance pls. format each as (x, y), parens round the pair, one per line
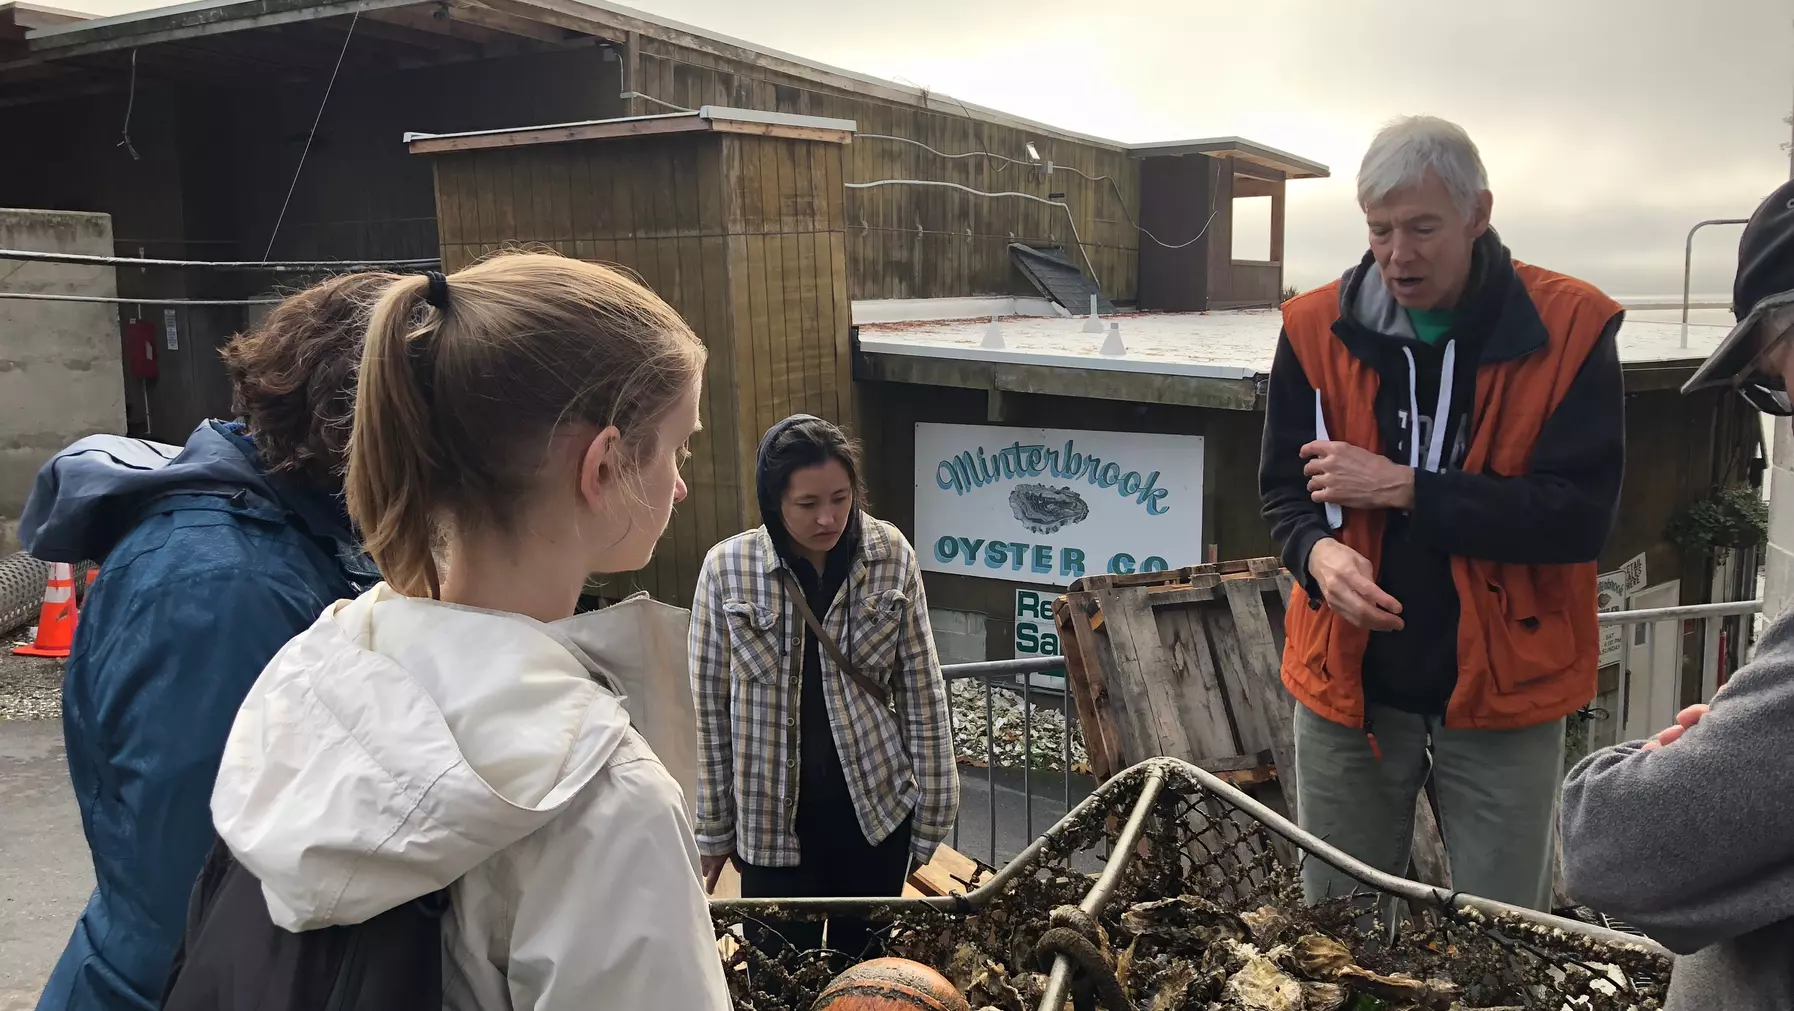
(837, 863)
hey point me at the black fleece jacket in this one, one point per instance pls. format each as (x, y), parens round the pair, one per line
(1560, 511)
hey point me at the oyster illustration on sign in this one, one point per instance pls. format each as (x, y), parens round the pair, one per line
(1045, 508)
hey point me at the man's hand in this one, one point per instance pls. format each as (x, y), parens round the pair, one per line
(1344, 474)
(1684, 719)
(713, 870)
(1347, 584)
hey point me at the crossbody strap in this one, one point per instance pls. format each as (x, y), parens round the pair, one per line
(872, 688)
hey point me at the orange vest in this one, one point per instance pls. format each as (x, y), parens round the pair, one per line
(1528, 646)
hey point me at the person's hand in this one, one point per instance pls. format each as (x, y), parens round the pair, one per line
(713, 870)
(1350, 588)
(1343, 474)
(1670, 735)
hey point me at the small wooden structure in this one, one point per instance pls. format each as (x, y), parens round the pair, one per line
(735, 217)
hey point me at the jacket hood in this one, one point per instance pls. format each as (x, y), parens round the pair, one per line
(769, 493)
(87, 497)
(1497, 317)
(400, 742)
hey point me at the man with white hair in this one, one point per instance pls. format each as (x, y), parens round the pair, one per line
(1443, 447)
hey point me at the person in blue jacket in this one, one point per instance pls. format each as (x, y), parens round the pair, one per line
(211, 558)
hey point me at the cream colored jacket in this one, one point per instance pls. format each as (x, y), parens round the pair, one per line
(400, 746)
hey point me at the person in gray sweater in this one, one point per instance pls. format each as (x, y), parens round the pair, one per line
(1689, 836)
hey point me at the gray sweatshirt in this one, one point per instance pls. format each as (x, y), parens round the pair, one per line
(1693, 843)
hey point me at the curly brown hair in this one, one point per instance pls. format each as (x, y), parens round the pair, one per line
(293, 377)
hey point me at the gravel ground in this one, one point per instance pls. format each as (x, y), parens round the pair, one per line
(30, 687)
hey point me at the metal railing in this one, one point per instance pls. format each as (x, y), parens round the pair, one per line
(1007, 675)
(1688, 266)
(1650, 683)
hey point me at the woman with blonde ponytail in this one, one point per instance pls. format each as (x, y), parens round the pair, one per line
(519, 425)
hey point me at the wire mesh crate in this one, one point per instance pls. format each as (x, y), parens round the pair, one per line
(1197, 906)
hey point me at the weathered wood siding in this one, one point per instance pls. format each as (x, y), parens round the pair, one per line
(1234, 283)
(743, 236)
(909, 241)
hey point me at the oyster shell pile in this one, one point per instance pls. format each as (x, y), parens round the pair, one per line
(1186, 953)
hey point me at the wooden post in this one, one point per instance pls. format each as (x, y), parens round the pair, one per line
(632, 74)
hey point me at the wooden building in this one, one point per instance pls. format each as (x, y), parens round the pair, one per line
(777, 203)
(205, 132)
(736, 219)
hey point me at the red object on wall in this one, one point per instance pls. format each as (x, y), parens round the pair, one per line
(140, 348)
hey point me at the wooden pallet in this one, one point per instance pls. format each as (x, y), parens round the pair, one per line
(1187, 663)
(1182, 663)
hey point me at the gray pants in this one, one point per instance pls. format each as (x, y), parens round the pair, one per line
(1497, 792)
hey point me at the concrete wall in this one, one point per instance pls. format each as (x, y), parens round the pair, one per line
(60, 371)
(1778, 581)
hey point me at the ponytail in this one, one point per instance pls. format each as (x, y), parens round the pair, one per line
(464, 380)
(392, 455)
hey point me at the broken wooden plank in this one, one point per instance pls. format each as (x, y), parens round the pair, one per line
(1202, 697)
(1262, 655)
(948, 873)
(1146, 671)
(1104, 736)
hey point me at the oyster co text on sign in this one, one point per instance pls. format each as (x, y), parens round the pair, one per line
(1048, 506)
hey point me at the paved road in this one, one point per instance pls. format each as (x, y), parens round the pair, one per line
(45, 876)
(1012, 826)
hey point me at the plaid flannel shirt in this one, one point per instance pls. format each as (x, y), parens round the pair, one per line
(747, 673)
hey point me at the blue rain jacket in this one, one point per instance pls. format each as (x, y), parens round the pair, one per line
(208, 566)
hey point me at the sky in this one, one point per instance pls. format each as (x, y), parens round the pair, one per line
(1608, 127)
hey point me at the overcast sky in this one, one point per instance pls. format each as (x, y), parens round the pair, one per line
(1608, 126)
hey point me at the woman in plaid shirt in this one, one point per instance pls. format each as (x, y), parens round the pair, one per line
(818, 781)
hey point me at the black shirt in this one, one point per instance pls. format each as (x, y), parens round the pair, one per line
(822, 783)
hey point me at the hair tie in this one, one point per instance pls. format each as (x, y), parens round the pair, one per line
(437, 293)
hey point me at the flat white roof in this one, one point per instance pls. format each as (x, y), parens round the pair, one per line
(1235, 344)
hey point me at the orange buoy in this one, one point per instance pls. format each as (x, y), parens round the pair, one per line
(891, 984)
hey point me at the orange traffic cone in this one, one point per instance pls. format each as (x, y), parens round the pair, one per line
(56, 621)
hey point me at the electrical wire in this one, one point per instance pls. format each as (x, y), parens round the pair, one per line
(36, 296)
(1119, 198)
(650, 98)
(989, 156)
(328, 88)
(276, 266)
(1062, 205)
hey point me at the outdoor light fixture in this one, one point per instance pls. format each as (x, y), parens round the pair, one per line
(1033, 152)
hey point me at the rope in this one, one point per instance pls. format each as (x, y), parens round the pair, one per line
(1075, 934)
(124, 132)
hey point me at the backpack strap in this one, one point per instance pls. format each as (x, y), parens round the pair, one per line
(871, 687)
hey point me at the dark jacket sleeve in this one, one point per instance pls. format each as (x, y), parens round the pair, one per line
(1561, 510)
(1297, 521)
(1694, 842)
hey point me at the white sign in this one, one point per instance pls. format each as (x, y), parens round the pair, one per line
(168, 327)
(1612, 589)
(1046, 506)
(1037, 635)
